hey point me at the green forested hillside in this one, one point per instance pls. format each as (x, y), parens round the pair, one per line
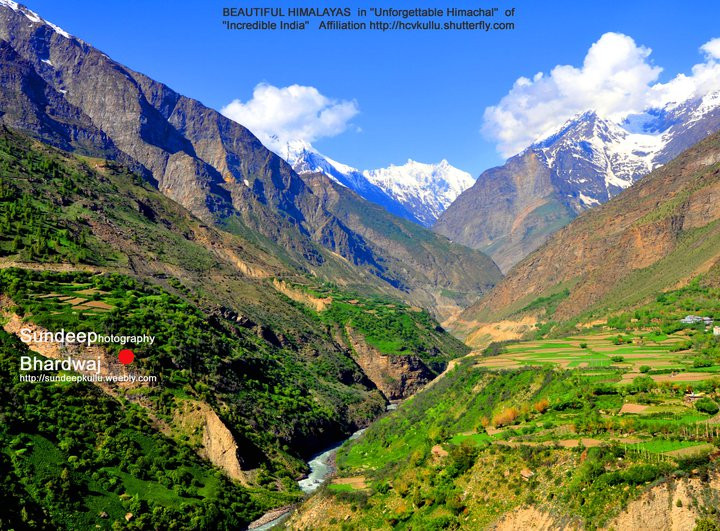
(571, 428)
(482, 444)
(73, 458)
(228, 367)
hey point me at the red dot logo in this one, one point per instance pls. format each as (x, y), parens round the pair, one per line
(126, 356)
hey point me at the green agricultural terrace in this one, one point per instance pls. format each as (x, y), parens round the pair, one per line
(663, 357)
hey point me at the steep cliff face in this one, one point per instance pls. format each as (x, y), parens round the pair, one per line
(674, 505)
(26, 98)
(656, 234)
(396, 376)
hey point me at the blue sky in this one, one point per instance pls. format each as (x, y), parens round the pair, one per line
(415, 95)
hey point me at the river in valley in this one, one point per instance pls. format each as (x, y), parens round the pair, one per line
(322, 467)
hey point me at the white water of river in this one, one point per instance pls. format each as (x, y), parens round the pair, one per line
(321, 468)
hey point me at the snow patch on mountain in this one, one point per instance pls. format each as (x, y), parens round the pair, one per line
(589, 201)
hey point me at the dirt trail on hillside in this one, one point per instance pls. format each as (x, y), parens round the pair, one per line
(319, 304)
(59, 267)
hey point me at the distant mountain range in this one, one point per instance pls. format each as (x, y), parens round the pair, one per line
(512, 209)
(416, 191)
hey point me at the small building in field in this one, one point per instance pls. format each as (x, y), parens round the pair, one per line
(696, 319)
(692, 396)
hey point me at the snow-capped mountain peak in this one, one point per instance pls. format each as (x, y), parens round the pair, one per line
(34, 17)
(592, 158)
(415, 190)
(427, 189)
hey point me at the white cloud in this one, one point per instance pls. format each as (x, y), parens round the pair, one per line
(280, 115)
(616, 79)
(704, 78)
(712, 48)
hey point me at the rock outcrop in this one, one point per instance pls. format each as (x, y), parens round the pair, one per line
(219, 445)
(397, 376)
(673, 505)
(215, 442)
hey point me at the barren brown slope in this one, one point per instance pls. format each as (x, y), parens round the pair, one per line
(509, 211)
(658, 233)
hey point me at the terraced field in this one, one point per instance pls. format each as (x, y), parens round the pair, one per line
(665, 358)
